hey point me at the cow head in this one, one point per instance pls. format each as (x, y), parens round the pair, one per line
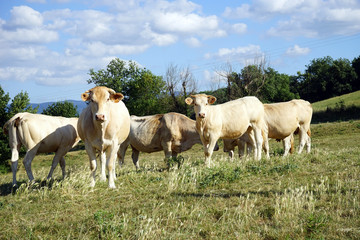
(201, 103)
(100, 100)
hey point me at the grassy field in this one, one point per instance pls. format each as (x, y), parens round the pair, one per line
(351, 99)
(341, 108)
(307, 196)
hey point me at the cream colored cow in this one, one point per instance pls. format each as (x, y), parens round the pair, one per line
(171, 132)
(103, 125)
(283, 120)
(40, 134)
(229, 120)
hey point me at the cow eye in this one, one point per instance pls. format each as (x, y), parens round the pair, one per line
(108, 99)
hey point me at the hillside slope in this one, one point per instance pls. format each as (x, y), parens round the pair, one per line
(340, 108)
(348, 100)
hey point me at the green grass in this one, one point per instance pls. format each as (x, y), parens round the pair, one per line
(341, 108)
(307, 196)
(350, 99)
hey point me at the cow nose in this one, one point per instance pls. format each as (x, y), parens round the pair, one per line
(100, 117)
(202, 115)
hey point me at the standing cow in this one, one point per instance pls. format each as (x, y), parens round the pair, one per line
(40, 134)
(171, 132)
(103, 125)
(229, 120)
(283, 120)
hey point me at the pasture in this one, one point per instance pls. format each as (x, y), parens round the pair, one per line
(307, 196)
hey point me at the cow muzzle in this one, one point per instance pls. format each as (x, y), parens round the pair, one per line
(201, 115)
(100, 117)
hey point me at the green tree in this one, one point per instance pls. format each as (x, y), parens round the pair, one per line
(64, 109)
(5, 153)
(356, 66)
(142, 90)
(21, 103)
(276, 87)
(325, 78)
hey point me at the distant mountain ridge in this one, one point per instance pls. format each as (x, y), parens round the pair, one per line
(79, 104)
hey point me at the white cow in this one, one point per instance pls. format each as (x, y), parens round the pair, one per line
(282, 121)
(229, 120)
(171, 132)
(40, 134)
(103, 125)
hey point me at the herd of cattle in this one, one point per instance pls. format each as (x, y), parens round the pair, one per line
(107, 129)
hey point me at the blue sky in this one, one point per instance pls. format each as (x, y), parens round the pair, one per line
(48, 46)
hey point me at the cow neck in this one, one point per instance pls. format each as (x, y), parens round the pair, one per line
(101, 127)
(200, 123)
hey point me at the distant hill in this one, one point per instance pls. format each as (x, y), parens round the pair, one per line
(350, 99)
(341, 108)
(79, 104)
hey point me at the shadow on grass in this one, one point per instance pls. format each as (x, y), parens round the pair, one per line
(338, 113)
(8, 188)
(229, 195)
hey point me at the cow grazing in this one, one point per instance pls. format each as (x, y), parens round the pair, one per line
(40, 134)
(171, 132)
(103, 125)
(286, 118)
(229, 120)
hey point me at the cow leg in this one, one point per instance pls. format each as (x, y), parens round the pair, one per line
(14, 162)
(209, 149)
(63, 165)
(135, 157)
(29, 156)
(103, 166)
(303, 138)
(111, 158)
(241, 148)
(287, 145)
(92, 159)
(258, 141)
(231, 154)
(59, 155)
(166, 145)
(251, 142)
(308, 144)
(121, 152)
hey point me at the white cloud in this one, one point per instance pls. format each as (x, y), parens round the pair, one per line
(193, 42)
(89, 37)
(297, 51)
(239, 28)
(24, 16)
(240, 54)
(309, 18)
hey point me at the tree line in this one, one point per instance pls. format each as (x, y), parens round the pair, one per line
(147, 94)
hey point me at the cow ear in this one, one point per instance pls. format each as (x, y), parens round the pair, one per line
(85, 96)
(189, 101)
(211, 99)
(116, 97)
